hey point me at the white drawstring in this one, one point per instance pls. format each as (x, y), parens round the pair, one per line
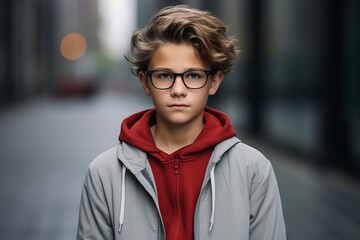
(212, 181)
(122, 200)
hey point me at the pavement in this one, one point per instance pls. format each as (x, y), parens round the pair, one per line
(47, 145)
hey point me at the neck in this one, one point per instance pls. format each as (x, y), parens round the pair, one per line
(171, 138)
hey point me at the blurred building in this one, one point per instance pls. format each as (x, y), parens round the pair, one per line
(76, 76)
(295, 85)
(26, 53)
(297, 80)
(31, 33)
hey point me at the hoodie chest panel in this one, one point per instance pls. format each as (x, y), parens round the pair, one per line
(178, 182)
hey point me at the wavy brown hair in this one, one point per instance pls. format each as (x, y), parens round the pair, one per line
(182, 24)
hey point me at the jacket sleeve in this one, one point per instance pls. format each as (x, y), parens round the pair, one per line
(94, 218)
(266, 216)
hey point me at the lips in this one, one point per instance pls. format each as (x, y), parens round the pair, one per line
(177, 105)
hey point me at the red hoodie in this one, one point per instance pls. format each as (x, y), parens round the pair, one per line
(179, 175)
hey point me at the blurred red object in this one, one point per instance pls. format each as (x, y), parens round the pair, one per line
(74, 86)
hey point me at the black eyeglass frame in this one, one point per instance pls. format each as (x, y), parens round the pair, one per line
(208, 73)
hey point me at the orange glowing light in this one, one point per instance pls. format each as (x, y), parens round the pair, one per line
(73, 46)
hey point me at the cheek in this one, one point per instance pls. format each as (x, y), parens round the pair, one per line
(201, 97)
(157, 97)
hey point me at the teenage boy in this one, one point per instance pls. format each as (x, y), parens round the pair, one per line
(179, 171)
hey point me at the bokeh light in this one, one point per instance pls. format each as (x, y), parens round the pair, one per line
(73, 46)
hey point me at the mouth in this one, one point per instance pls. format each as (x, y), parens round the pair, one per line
(178, 106)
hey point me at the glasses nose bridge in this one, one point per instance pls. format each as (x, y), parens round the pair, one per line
(178, 75)
(181, 75)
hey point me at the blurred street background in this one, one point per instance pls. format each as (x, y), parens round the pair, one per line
(65, 87)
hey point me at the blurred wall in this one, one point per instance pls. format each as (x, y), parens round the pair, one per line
(295, 85)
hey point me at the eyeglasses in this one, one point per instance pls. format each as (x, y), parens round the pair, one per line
(192, 79)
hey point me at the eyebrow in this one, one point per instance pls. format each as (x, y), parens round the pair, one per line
(170, 70)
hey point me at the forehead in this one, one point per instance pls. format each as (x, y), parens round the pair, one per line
(176, 57)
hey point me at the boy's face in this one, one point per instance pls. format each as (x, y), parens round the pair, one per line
(179, 104)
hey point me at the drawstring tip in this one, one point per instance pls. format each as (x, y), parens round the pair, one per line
(120, 226)
(211, 226)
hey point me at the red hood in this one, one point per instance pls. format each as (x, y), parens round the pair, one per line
(135, 130)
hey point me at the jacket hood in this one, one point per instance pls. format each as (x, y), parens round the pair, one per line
(135, 130)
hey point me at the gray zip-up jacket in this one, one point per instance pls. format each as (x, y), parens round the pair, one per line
(239, 197)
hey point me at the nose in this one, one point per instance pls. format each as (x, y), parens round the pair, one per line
(178, 89)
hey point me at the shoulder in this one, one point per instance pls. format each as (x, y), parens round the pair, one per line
(240, 153)
(248, 155)
(105, 163)
(247, 163)
(105, 158)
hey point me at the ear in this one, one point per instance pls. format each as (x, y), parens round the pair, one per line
(215, 82)
(144, 82)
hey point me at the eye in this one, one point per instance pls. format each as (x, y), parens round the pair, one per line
(162, 75)
(194, 75)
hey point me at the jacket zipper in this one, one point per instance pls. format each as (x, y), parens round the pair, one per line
(176, 167)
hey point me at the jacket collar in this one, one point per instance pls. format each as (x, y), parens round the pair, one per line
(135, 160)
